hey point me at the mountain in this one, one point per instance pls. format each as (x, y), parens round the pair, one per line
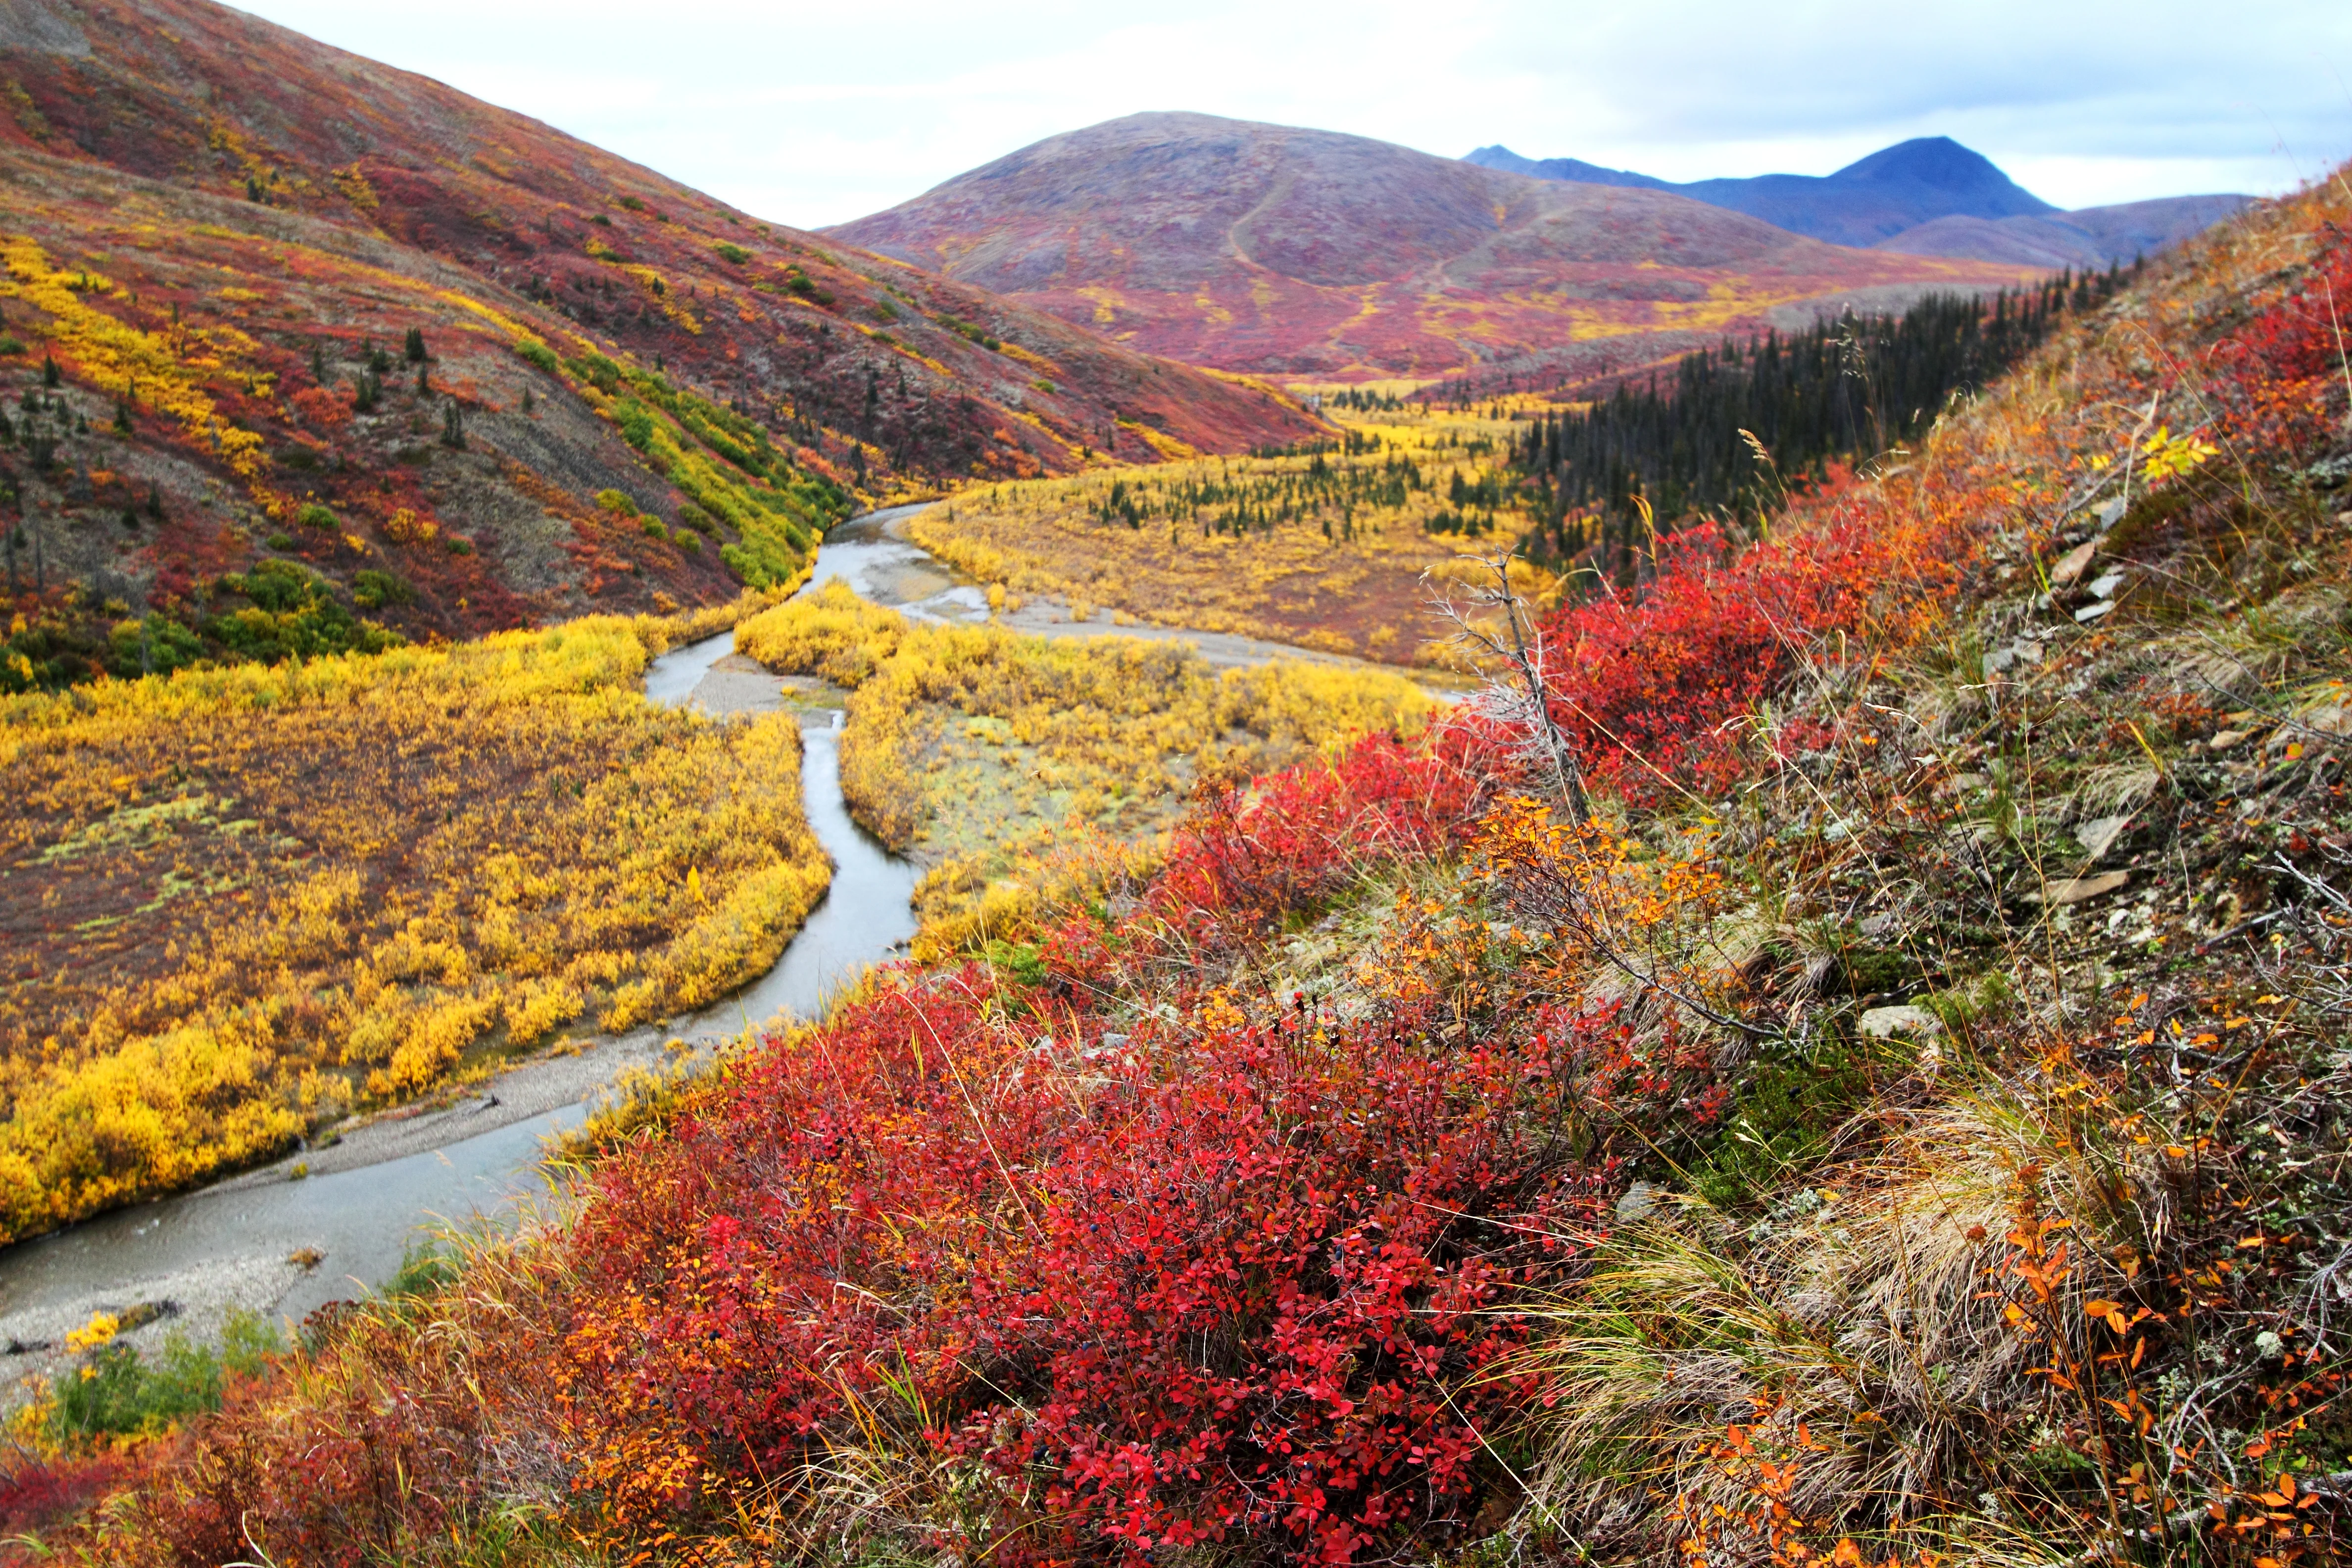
(1575, 170)
(2088, 237)
(1270, 248)
(1929, 196)
(213, 227)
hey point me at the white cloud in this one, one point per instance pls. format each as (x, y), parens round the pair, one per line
(814, 115)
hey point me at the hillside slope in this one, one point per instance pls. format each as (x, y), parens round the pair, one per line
(1269, 249)
(2085, 237)
(221, 224)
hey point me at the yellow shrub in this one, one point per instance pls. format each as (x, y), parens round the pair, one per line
(830, 632)
(1107, 733)
(332, 879)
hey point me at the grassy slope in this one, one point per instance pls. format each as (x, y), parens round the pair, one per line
(1181, 1224)
(257, 209)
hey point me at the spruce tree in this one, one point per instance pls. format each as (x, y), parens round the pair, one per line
(415, 345)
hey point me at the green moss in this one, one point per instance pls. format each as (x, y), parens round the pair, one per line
(1795, 1097)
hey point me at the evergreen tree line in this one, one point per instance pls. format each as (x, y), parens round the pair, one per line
(1737, 429)
(1246, 503)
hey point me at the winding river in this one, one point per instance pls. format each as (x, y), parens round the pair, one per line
(333, 1223)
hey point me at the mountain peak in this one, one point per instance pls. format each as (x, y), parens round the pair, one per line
(1282, 249)
(1938, 164)
(1895, 189)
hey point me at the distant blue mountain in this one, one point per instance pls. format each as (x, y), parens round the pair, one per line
(1877, 198)
(1575, 171)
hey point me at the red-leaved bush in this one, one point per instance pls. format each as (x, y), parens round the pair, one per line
(2286, 374)
(1251, 1278)
(1299, 836)
(1643, 686)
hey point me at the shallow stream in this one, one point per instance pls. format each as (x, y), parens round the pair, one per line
(230, 1244)
(333, 1222)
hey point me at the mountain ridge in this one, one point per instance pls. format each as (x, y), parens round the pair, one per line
(1889, 200)
(1288, 250)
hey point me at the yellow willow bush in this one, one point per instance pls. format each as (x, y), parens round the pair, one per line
(1325, 549)
(242, 900)
(980, 745)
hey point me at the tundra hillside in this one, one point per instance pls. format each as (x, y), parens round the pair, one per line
(1842, 1059)
(264, 299)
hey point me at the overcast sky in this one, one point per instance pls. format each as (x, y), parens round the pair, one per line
(813, 114)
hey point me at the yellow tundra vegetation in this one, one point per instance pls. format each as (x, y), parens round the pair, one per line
(241, 901)
(978, 749)
(1322, 547)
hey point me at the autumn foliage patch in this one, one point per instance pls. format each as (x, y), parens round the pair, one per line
(2290, 363)
(1643, 687)
(1158, 1291)
(1245, 857)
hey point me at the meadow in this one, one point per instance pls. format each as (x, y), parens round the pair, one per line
(244, 903)
(1323, 544)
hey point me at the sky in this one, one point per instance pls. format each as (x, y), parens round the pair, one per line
(813, 115)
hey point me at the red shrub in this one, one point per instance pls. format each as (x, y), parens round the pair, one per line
(1297, 838)
(35, 1491)
(1643, 686)
(322, 407)
(1242, 1282)
(2283, 373)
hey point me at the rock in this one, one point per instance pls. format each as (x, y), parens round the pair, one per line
(2092, 612)
(2021, 649)
(2077, 890)
(1882, 1023)
(2099, 835)
(2104, 587)
(2073, 564)
(1640, 1201)
(2110, 513)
